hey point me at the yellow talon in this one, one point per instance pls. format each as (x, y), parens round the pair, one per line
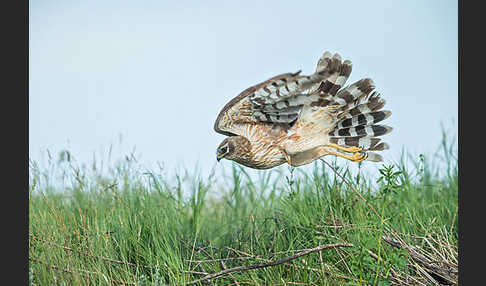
(351, 149)
(357, 156)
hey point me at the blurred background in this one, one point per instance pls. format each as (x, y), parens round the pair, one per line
(148, 78)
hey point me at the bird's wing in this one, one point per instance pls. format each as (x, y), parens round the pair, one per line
(280, 99)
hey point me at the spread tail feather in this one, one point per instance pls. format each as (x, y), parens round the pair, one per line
(367, 143)
(363, 119)
(360, 111)
(374, 157)
(362, 130)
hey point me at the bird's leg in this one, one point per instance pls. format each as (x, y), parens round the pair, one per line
(356, 157)
(351, 149)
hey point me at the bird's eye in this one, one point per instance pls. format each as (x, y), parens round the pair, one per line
(224, 149)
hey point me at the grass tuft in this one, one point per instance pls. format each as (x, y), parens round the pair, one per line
(128, 226)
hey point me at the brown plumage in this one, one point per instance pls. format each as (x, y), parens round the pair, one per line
(296, 119)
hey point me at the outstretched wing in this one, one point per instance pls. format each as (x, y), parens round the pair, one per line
(280, 99)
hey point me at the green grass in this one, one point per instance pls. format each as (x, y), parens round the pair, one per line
(137, 227)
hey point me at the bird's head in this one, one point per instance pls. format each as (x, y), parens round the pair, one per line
(232, 148)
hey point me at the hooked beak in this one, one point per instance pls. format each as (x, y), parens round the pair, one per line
(218, 157)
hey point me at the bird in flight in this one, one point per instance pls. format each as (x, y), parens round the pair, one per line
(296, 119)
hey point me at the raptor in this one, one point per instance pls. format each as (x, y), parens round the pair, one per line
(296, 119)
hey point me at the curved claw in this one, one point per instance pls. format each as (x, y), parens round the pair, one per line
(365, 155)
(359, 156)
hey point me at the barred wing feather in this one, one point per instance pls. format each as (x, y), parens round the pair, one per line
(280, 99)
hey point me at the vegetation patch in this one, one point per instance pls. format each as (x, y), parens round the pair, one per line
(129, 226)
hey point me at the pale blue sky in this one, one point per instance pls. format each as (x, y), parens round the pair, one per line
(158, 72)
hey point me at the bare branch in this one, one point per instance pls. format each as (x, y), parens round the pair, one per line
(272, 263)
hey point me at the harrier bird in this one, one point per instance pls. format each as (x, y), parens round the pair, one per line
(296, 119)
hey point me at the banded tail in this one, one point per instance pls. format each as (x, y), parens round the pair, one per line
(360, 111)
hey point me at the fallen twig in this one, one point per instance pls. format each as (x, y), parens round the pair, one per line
(272, 263)
(251, 256)
(440, 271)
(223, 266)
